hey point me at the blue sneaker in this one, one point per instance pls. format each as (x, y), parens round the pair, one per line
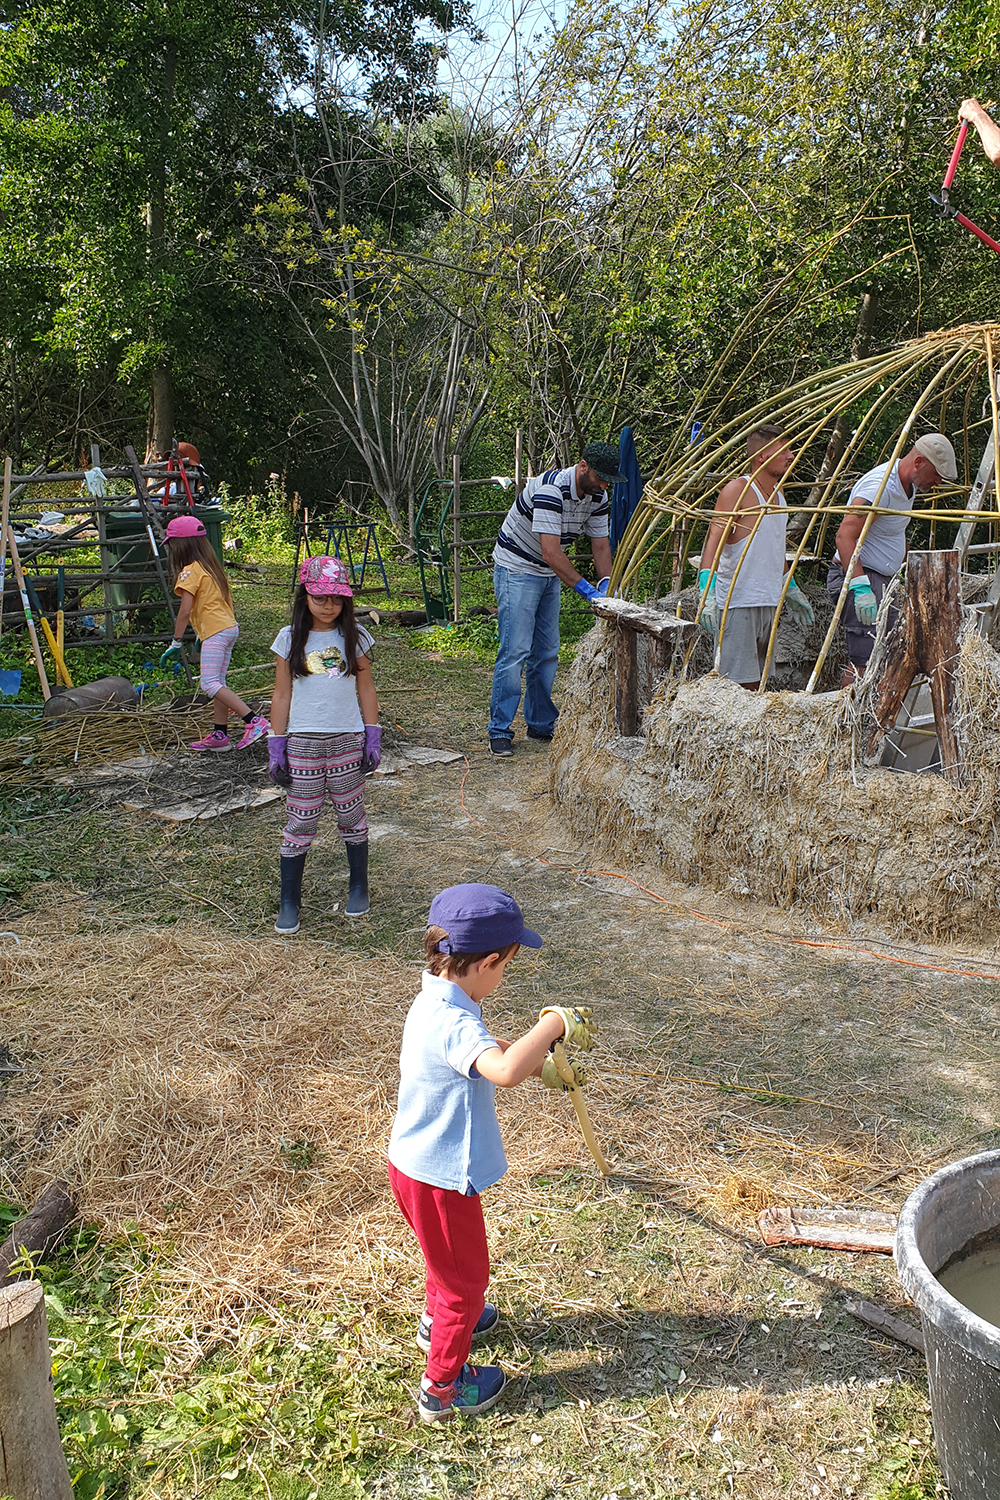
(474, 1389)
(486, 1324)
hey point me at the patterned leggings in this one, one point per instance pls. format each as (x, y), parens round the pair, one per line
(324, 765)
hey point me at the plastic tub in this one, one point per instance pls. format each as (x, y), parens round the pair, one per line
(940, 1218)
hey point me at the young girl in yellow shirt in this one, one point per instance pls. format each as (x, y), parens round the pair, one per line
(206, 601)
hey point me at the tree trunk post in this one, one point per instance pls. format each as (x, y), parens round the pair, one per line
(32, 1463)
(925, 639)
(519, 461)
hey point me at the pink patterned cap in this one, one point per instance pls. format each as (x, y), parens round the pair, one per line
(326, 575)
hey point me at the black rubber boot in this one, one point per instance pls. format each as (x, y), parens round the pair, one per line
(357, 895)
(291, 894)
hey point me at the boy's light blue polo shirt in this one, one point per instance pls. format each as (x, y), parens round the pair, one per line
(446, 1131)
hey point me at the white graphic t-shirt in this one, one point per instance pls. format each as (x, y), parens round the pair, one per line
(325, 701)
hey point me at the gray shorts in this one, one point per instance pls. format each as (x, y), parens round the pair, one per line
(743, 650)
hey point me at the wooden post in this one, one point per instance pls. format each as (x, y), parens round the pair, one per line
(626, 680)
(519, 461)
(32, 1463)
(456, 534)
(925, 639)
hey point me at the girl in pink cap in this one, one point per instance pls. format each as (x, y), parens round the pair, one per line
(325, 735)
(207, 603)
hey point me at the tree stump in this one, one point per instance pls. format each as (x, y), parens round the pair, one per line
(32, 1463)
(925, 639)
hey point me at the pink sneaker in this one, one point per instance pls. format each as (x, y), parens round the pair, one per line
(217, 740)
(255, 730)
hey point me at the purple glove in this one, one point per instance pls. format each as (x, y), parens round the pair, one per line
(277, 760)
(372, 753)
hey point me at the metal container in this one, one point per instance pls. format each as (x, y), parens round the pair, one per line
(944, 1216)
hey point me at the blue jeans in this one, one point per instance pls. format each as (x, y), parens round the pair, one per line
(528, 626)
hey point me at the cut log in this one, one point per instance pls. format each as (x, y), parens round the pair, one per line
(32, 1463)
(925, 639)
(41, 1229)
(885, 1322)
(852, 1229)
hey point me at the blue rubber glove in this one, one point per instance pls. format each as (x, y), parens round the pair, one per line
(710, 610)
(371, 755)
(602, 587)
(586, 590)
(277, 760)
(865, 603)
(171, 654)
(798, 604)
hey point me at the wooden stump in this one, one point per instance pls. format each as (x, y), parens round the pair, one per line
(925, 639)
(32, 1463)
(638, 672)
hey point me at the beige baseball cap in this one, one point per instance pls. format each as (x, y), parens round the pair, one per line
(935, 447)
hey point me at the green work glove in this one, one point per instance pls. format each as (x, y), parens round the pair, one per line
(552, 1080)
(799, 606)
(579, 1031)
(171, 654)
(865, 603)
(710, 609)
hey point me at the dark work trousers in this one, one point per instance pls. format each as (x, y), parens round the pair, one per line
(860, 638)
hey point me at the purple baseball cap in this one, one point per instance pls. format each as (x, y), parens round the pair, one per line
(326, 575)
(479, 919)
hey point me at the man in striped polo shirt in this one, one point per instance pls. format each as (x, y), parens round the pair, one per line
(529, 567)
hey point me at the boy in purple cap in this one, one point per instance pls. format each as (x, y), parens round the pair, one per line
(445, 1147)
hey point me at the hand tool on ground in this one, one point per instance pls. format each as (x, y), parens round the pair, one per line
(62, 675)
(4, 517)
(942, 199)
(152, 522)
(565, 1070)
(32, 632)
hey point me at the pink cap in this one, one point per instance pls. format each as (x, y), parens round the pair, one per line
(185, 526)
(326, 575)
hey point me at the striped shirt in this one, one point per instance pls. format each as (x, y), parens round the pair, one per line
(548, 504)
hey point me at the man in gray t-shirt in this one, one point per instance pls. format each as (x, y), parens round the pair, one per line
(889, 487)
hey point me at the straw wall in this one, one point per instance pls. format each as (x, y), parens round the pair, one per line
(766, 796)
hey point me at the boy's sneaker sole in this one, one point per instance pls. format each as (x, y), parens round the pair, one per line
(431, 1409)
(487, 1323)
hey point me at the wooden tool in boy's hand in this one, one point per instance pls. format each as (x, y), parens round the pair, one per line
(559, 1072)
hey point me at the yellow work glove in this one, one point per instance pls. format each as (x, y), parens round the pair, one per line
(552, 1078)
(580, 1030)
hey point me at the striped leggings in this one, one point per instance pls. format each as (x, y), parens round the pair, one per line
(215, 654)
(324, 765)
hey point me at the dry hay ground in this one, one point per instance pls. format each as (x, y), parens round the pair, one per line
(767, 796)
(231, 1095)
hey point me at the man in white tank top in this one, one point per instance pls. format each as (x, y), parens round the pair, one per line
(743, 561)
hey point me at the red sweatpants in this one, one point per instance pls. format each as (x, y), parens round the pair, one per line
(452, 1235)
